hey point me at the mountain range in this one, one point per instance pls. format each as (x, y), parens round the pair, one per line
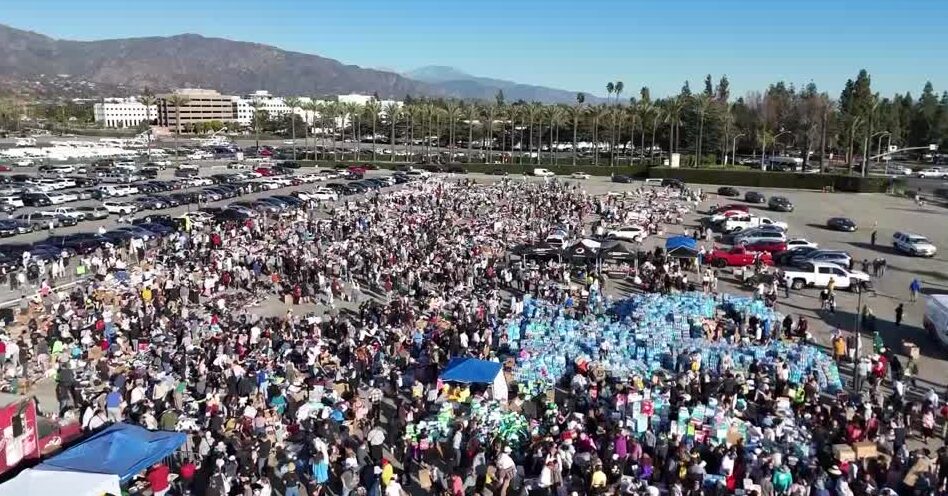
(100, 68)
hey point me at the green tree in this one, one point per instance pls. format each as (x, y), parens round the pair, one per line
(372, 109)
(471, 110)
(576, 112)
(702, 105)
(392, 112)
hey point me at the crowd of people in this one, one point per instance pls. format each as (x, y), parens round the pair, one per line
(296, 349)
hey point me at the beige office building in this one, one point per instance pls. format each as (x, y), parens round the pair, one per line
(200, 106)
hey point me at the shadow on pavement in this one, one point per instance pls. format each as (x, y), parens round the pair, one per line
(878, 248)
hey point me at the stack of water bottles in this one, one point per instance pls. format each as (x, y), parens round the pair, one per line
(645, 333)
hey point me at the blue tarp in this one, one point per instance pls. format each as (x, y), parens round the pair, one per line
(123, 449)
(470, 370)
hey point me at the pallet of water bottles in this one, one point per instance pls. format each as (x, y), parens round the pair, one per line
(643, 334)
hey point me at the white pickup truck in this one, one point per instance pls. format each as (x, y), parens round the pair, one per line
(741, 222)
(819, 274)
(71, 212)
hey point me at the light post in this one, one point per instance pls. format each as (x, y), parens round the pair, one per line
(764, 154)
(734, 149)
(880, 134)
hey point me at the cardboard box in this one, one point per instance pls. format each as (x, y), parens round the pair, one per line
(843, 453)
(865, 449)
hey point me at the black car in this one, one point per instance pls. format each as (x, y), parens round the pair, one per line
(621, 179)
(117, 238)
(359, 187)
(35, 200)
(292, 200)
(498, 172)
(401, 179)
(754, 197)
(841, 224)
(728, 191)
(780, 204)
(8, 228)
(673, 182)
(457, 169)
(186, 197)
(289, 164)
(433, 168)
(403, 168)
(230, 215)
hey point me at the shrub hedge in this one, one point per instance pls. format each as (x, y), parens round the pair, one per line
(729, 177)
(760, 179)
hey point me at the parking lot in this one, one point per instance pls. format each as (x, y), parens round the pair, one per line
(884, 214)
(808, 220)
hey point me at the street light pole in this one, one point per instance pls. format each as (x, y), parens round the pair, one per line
(734, 149)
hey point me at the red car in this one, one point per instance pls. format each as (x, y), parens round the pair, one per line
(264, 171)
(767, 246)
(730, 206)
(5, 168)
(736, 257)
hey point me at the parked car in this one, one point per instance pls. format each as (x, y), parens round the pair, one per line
(780, 204)
(728, 207)
(728, 191)
(94, 212)
(800, 243)
(119, 207)
(841, 224)
(754, 197)
(819, 275)
(737, 256)
(913, 244)
(579, 175)
(618, 178)
(628, 233)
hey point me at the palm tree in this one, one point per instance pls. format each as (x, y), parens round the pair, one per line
(633, 112)
(702, 104)
(645, 112)
(617, 121)
(259, 115)
(452, 112)
(610, 88)
(371, 110)
(178, 101)
(728, 119)
(315, 107)
(576, 112)
(555, 115)
(673, 111)
(534, 113)
(148, 99)
(471, 108)
(392, 111)
(658, 114)
(490, 111)
(597, 113)
(292, 102)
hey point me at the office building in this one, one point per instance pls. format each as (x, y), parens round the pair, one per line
(123, 112)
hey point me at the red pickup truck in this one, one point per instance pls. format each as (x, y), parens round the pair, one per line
(768, 246)
(736, 257)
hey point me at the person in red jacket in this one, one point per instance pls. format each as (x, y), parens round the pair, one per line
(158, 479)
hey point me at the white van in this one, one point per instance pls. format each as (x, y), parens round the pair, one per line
(540, 172)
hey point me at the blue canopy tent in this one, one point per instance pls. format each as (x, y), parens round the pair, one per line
(681, 247)
(474, 371)
(123, 449)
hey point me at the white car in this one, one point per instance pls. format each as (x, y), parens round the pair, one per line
(323, 194)
(913, 244)
(418, 173)
(628, 233)
(727, 214)
(119, 207)
(933, 172)
(579, 175)
(57, 198)
(797, 243)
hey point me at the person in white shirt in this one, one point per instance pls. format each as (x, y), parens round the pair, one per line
(393, 488)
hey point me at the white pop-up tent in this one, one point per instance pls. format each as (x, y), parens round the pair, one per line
(45, 483)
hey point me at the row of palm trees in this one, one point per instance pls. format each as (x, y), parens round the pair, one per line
(527, 129)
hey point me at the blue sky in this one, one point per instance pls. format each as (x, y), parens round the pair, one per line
(576, 45)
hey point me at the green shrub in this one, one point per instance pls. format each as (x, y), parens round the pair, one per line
(762, 179)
